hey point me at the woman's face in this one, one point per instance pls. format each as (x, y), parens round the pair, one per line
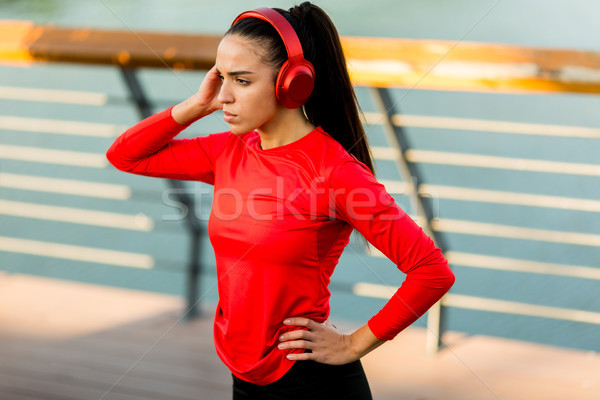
(248, 85)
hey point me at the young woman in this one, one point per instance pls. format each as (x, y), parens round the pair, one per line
(292, 178)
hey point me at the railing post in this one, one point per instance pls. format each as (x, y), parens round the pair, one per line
(195, 230)
(433, 339)
(410, 174)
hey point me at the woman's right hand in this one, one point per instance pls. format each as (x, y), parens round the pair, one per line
(208, 92)
(202, 103)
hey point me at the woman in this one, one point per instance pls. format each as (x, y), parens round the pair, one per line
(292, 179)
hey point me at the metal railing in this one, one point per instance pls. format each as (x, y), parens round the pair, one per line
(195, 229)
(380, 64)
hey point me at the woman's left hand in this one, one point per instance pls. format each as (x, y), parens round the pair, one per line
(327, 344)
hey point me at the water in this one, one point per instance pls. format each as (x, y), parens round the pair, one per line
(556, 24)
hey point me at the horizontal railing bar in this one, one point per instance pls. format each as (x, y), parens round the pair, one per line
(77, 253)
(480, 125)
(26, 42)
(512, 307)
(385, 153)
(506, 197)
(495, 196)
(512, 264)
(515, 232)
(377, 62)
(374, 290)
(61, 127)
(497, 162)
(489, 305)
(471, 260)
(73, 215)
(53, 96)
(451, 65)
(508, 232)
(52, 156)
(65, 186)
(395, 187)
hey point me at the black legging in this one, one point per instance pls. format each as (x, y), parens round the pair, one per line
(310, 380)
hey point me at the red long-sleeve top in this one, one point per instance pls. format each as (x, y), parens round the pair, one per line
(280, 219)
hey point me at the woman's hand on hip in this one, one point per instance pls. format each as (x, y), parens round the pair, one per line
(326, 343)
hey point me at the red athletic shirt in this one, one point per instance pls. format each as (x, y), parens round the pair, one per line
(279, 222)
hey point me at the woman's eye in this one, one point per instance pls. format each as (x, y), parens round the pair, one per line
(243, 81)
(220, 77)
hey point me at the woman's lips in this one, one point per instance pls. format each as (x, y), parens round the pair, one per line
(229, 117)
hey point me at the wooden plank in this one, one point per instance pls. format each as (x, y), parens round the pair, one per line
(448, 65)
(37, 364)
(125, 48)
(50, 388)
(380, 62)
(88, 362)
(76, 379)
(15, 37)
(195, 370)
(22, 41)
(18, 394)
(137, 345)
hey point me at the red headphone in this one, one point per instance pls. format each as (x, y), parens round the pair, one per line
(296, 77)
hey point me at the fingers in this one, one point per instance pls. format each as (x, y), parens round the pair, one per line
(213, 72)
(325, 344)
(292, 335)
(296, 344)
(299, 338)
(209, 89)
(307, 339)
(297, 334)
(301, 321)
(300, 356)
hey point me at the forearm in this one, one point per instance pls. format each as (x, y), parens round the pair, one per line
(142, 140)
(201, 103)
(148, 147)
(189, 111)
(151, 134)
(422, 288)
(364, 341)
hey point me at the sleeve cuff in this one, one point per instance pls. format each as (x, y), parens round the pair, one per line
(169, 114)
(379, 331)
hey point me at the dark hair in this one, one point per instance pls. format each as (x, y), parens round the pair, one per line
(333, 104)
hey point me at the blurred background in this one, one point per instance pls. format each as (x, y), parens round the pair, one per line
(528, 236)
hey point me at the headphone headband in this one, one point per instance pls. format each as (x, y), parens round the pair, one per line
(282, 25)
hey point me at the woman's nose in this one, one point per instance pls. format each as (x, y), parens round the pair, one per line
(225, 95)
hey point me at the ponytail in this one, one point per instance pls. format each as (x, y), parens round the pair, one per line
(333, 104)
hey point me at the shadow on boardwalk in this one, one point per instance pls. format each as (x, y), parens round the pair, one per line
(64, 340)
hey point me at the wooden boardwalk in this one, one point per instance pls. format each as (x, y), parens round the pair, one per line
(63, 340)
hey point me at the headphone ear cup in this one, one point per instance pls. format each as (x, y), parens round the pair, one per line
(295, 83)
